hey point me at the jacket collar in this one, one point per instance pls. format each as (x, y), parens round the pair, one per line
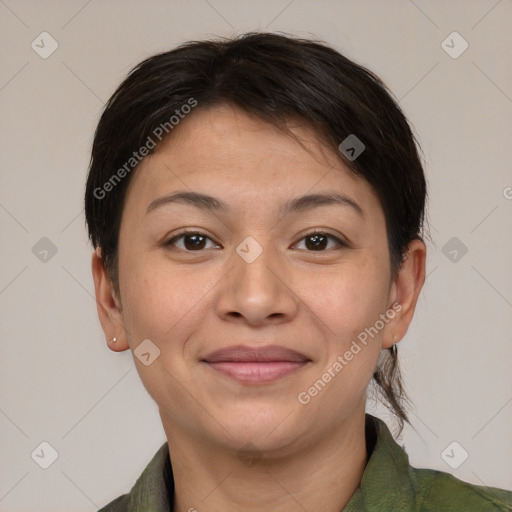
(150, 491)
(386, 482)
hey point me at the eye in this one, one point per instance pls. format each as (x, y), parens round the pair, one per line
(195, 241)
(318, 241)
(192, 241)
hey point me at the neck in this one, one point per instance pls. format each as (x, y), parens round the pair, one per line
(323, 476)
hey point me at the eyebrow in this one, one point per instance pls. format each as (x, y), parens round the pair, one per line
(298, 204)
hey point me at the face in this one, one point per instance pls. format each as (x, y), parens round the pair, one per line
(261, 266)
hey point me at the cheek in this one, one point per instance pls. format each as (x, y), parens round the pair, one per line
(162, 303)
(349, 299)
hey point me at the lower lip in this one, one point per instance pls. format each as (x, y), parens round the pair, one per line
(261, 372)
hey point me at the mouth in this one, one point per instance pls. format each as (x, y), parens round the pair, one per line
(256, 365)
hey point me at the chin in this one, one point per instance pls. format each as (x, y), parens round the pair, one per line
(266, 429)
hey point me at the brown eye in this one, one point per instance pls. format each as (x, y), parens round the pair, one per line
(191, 241)
(318, 241)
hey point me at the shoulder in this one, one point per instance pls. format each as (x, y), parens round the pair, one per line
(120, 504)
(151, 490)
(437, 490)
(391, 483)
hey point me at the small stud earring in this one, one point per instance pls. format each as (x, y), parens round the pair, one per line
(113, 340)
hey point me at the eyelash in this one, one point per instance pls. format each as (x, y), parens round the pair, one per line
(341, 244)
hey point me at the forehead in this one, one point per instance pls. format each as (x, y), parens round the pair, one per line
(223, 149)
(232, 135)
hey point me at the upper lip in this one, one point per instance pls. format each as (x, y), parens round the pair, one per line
(268, 353)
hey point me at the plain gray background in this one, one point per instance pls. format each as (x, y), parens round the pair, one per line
(60, 384)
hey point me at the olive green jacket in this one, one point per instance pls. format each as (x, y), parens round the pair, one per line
(389, 484)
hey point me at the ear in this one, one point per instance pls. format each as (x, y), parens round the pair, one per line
(108, 305)
(404, 292)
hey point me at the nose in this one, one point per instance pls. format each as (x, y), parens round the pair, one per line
(257, 292)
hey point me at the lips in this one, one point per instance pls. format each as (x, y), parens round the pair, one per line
(270, 353)
(256, 365)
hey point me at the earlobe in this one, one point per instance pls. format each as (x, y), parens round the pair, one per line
(405, 291)
(109, 311)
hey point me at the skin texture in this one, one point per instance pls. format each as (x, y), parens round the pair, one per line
(190, 303)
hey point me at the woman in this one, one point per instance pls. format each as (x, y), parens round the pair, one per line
(256, 207)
